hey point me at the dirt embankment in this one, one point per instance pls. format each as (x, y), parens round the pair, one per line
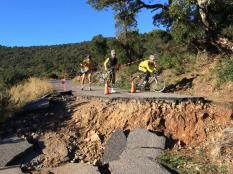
(200, 79)
(190, 123)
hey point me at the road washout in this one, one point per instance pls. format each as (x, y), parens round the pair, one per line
(76, 129)
(186, 122)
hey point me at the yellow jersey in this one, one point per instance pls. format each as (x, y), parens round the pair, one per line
(146, 65)
(87, 64)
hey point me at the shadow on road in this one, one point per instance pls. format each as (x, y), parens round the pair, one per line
(41, 120)
(184, 84)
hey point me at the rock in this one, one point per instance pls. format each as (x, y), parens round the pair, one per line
(136, 166)
(223, 145)
(11, 170)
(140, 153)
(64, 93)
(55, 150)
(12, 148)
(143, 138)
(78, 168)
(114, 147)
(94, 136)
(228, 130)
(138, 156)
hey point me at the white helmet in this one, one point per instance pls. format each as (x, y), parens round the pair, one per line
(113, 52)
(152, 57)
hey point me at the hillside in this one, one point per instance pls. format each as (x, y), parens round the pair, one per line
(39, 61)
(17, 63)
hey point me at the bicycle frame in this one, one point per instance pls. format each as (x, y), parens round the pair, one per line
(154, 75)
(102, 77)
(152, 79)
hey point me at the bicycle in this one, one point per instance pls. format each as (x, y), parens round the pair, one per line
(155, 83)
(101, 77)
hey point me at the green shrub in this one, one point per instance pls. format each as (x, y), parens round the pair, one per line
(225, 70)
(190, 165)
(175, 62)
(13, 76)
(124, 76)
(228, 32)
(5, 102)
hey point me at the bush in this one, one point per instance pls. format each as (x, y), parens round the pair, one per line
(13, 76)
(5, 104)
(124, 76)
(225, 70)
(176, 61)
(228, 32)
(172, 61)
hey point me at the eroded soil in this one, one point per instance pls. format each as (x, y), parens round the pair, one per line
(76, 129)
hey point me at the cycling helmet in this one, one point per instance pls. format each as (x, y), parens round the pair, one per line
(152, 57)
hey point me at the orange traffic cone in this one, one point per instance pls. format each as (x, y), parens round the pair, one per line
(133, 88)
(106, 89)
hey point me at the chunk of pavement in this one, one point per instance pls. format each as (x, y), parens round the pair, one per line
(12, 147)
(140, 153)
(136, 166)
(114, 147)
(11, 170)
(143, 138)
(78, 168)
(42, 103)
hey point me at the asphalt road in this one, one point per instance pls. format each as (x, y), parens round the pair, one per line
(123, 94)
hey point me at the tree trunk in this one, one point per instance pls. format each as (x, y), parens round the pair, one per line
(203, 11)
(211, 37)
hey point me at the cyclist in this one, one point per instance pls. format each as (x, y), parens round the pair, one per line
(110, 64)
(86, 70)
(148, 67)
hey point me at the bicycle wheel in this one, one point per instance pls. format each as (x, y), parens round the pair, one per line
(138, 81)
(157, 84)
(98, 78)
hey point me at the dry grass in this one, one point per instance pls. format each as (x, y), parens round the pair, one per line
(29, 90)
(13, 99)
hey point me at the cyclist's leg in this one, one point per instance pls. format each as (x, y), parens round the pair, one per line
(147, 76)
(113, 77)
(89, 79)
(83, 80)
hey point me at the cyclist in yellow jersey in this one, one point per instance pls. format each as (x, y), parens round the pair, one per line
(148, 67)
(86, 70)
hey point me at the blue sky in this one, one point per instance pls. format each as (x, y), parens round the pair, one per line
(48, 22)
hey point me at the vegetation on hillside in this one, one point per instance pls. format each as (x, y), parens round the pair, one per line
(18, 63)
(191, 164)
(225, 70)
